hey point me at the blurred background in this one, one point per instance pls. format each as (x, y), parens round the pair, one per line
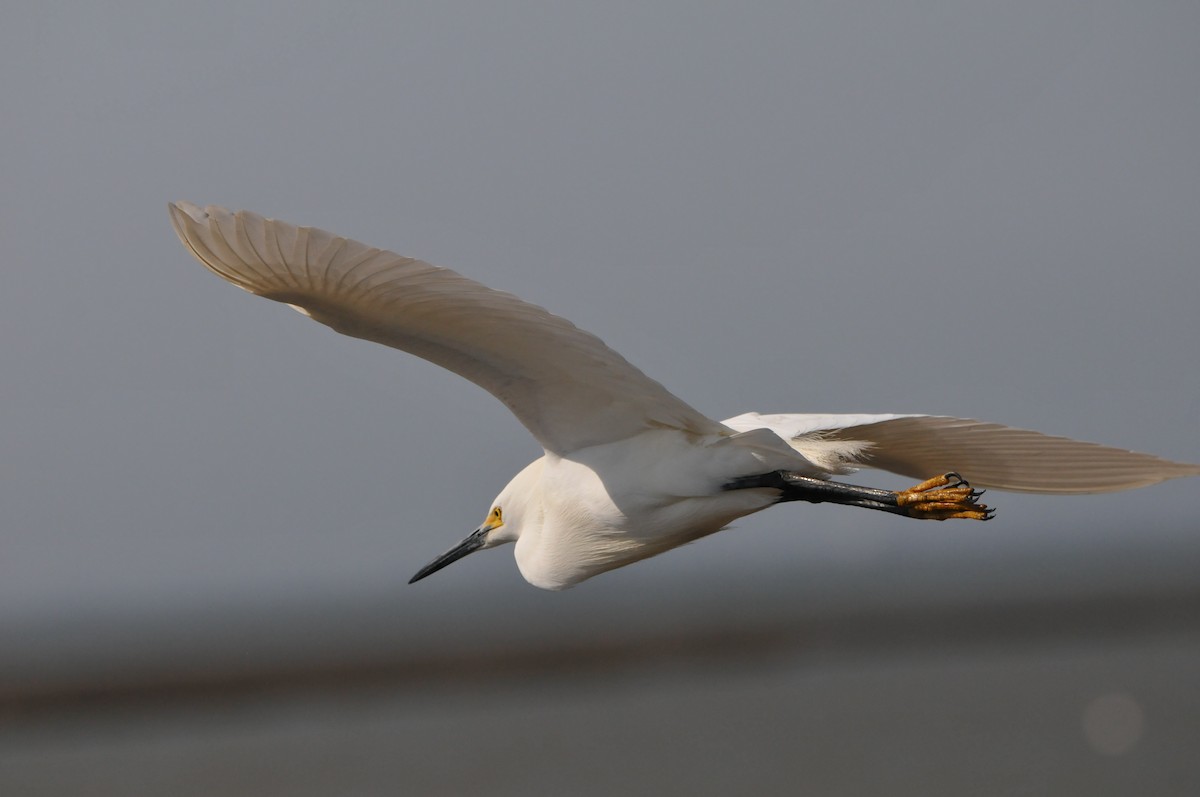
(211, 505)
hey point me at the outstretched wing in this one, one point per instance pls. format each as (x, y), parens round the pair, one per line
(565, 385)
(986, 454)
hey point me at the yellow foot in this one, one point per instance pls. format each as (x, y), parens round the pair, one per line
(943, 498)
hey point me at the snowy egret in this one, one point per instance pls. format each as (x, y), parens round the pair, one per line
(630, 470)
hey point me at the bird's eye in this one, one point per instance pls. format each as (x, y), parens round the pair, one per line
(496, 515)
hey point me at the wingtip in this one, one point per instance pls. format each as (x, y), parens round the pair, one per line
(190, 211)
(183, 213)
(184, 208)
(179, 216)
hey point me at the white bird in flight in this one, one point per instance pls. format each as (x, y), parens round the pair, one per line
(629, 469)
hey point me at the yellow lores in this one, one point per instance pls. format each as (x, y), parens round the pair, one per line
(495, 519)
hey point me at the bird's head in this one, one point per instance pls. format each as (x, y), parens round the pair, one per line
(503, 523)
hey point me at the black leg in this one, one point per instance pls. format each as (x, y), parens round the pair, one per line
(940, 498)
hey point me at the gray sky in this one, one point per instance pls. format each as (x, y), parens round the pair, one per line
(988, 211)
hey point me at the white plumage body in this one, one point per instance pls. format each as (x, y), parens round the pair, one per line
(609, 505)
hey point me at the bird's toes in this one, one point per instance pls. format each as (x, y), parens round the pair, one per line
(945, 497)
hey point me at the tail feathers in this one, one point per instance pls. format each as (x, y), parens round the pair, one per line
(986, 454)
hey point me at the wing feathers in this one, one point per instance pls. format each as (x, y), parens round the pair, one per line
(571, 391)
(991, 455)
(986, 454)
(568, 388)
